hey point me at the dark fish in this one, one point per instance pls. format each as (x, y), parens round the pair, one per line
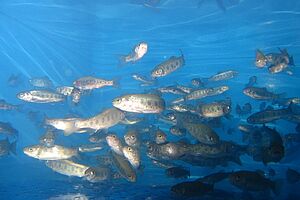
(6, 147)
(7, 129)
(177, 172)
(175, 130)
(192, 189)
(214, 178)
(252, 81)
(261, 93)
(203, 161)
(268, 146)
(292, 176)
(266, 116)
(253, 181)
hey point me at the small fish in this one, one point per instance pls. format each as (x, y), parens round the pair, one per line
(268, 115)
(292, 176)
(98, 136)
(252, 81)
(90, 148)
(177, 172)
(7, 129)
(90, 83)
(261, 93)
(48, 138)
(41, 96)
(67, 167)
(140, 103)
(42, 82)
(202, 132)
(175, 130)
(138, 52)
(191, 189)
(160, 137)
(6, 147)
(214, 109)
(67, 125)
(55, 152)
(225, 75)
(124, 167)
(201, 93)
(168, 66)
(197, 82)
(253, 181)
(115, 143)
(261, 60)
(14, 80)
(171, 90)
(132, 138)
(214, 178)
(144, 80)
(98, 174)
(7, 106)
(65, 90)
(132, 155)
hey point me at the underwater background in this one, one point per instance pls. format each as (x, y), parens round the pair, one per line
(66, 40)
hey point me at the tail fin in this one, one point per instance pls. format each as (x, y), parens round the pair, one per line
(116, 82)
(291, 61)
(124, 59)
(13, 147)
(276, 186)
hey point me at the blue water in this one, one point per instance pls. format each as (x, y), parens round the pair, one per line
(66, 40)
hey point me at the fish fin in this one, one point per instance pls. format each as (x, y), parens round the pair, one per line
(116, 82)
(68, 132)
(276, 186)
(291, 61)
(124, 59)
(182, 56)
(13, 147)
(221, 5)
(237, 160)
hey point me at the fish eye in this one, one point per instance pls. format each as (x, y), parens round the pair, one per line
(237, 177)
(114, 136)
(129, 149)
(30, 149)
(132, 137)
(211, 138)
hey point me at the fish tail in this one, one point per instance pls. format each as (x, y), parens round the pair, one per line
(291, 61)
(13, 147)
(276, 186)
(182, 56)
(116, 82)
(124, 59)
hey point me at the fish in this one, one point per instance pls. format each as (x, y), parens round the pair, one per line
(132, 138)
(197, 82)
(137, 53)
(225, 75)
(77, 196)
(201, 93)
(104, 120)
(7, 129)
(65, 90)
(261, 60)
(168, 151)
(177, 172)
(167, 67)
(251, 82)
(286, 101)
(144, 80)
(54, 152)
(90, 148)
(292, 176)
(90, 83)
(214, 109)
(98, 136)
(48, 138)
(203, 161)
(261, 93)
(253, 181)
(202, 132)
(266, 145)
(42, 82)
(140, 103)
(124, 167)
(160, 137)
(67, 125)
(178, 131)
(267, 116)
(115, 143)
(41, 96)
(67, 167)
(98, 174)
(214, 178)
(183, 108)
(14, 80)
(184, 89)
(171, 90)
(132, 155)
(6, 147)
(191, 189)
(7, 106)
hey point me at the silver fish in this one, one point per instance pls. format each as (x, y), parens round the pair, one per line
(41, 96)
